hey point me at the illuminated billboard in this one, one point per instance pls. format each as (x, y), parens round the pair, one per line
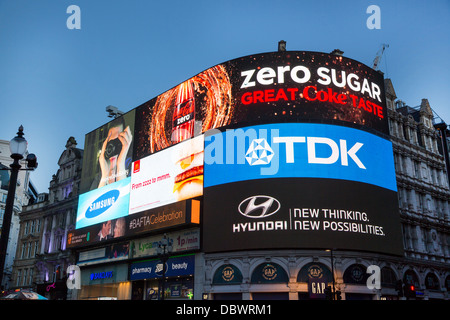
(300, 185)
(168, 176)
(291, 86)
(108, 153)
(103, 204)
(309, 120)
(298, 150)
(181, 213)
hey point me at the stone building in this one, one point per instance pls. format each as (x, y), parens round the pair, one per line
(423, 193)
(42, 253)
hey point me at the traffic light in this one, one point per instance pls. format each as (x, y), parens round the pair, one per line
(32, 161)
(409, 290)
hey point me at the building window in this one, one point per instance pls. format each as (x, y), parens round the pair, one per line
(19, 273)
(25, 271)
(30, 245)
(62, 220)
(47, 243)
(58, 241)
(24, 247)
(36, 247)
(30, 276)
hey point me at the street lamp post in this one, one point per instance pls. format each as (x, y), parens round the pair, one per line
(164, 249)
(18, 147)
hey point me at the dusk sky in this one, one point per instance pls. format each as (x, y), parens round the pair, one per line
(57, 81)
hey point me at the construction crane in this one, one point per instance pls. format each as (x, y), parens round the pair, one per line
(377, 59)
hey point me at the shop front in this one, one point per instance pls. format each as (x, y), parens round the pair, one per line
(149, 281)
(318, 277)
(56, 290)
(106, 282)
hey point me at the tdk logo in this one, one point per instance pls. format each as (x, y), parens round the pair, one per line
(298, 150)
(251, 146)
(260, 152)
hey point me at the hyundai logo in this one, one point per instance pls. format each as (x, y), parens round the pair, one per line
(259, 206)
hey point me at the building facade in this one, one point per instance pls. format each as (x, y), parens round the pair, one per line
(423, 192)
(125, 255)
(256, 268)
(42, 258)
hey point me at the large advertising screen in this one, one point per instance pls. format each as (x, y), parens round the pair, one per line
(300, 185)
(310, 120)
(293, 86)
(178, 214)
(168, 176)
(108, 153)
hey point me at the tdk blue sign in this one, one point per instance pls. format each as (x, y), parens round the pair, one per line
(298, 150)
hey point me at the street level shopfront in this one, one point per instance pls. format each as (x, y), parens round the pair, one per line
(106, 282)
(149, 281)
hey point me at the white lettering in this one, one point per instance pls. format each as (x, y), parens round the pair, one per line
(306, 77)
(289, 141)
(247, 74)
(265, 76)
(74, 21)
(312, 158)
(374, 21)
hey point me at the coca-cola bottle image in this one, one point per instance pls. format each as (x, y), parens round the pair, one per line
(184, 113)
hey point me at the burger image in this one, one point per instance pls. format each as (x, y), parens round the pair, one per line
(188, 182)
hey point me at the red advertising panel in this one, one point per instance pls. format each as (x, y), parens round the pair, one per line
(291, 86)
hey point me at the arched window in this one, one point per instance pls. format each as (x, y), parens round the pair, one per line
(432, 281)
(410, 277)
(314, 270)
(269, 273)
(356, 274)
(227, 274)
(388, 278)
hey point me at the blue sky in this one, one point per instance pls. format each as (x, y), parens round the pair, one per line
(57, 82)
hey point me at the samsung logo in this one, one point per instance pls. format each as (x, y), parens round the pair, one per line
(102, 203)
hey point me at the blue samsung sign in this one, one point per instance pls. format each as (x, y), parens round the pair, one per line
(103, 204)
(298, 150)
